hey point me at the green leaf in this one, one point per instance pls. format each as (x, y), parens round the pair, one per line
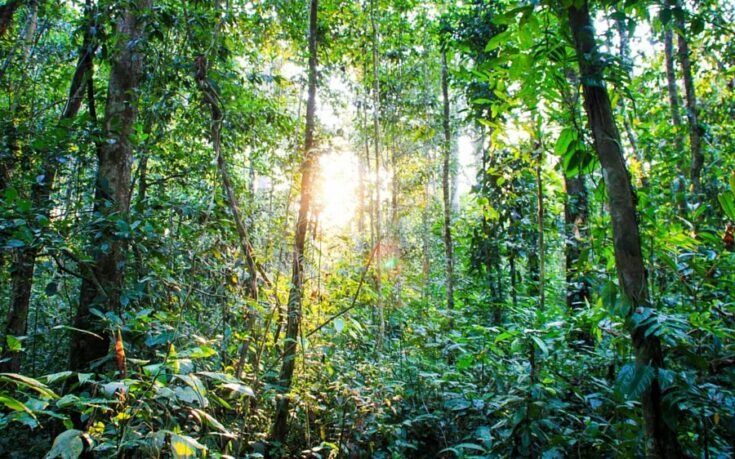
(30, 383)
(465, 361)
(633, 380)
(565, 139)
(187, 395)
(14, 404)
(52, 378)
(200, 352)
(727, 201)
(503, 336)
(498, 39)
(206, 418)
(462, 446)
(541, 345)
(240, 389)
(14, 344)
(15, 244)
(68, 445)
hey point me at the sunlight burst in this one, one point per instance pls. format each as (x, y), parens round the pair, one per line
(337, 189)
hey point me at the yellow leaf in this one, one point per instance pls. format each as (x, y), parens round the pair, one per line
(183, 447)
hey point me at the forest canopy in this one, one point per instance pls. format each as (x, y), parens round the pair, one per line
(367, 229)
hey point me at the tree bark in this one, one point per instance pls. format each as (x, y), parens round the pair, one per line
(446, 191)
(23, 265)
(102, 286)
(280, 422)
(675, 104)
(6, 15)
(661, 439)
(576, 214)
(575, 222)
(692, 110)
(540, 226)
(12, 151)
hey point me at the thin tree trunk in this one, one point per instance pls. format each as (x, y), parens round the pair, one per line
(624, 52)
(425, 232)
(10, 154)
(426, 209)
(695, 132)
(532, 264)
(361, 175)
(103, 283)
(377, 143)
(576, 214)
(513, 280)
(280, 422)
(25, 39)
(575, 221)
(662, 441)
(454, 167)
(675, 104)
(217, 116)
(368, 169)
(540, 226)
(446, 191)
(23, 265)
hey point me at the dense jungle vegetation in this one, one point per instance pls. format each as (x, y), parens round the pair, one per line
(367, 228)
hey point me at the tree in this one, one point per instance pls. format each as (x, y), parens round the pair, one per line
(378, 202)
(6, 14)
(446, 191)
(24, 263)
(279, 429)
(674, 105)
(102, 286)
(662, 441)
(692, 110)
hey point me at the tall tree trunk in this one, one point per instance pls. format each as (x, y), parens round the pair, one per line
(624, 53)
(675, 104)
(533, 273)
(6, 15)
(11, 153)
(575, 213)
(425, 233)
(103, 282)
(24, 262)
(446, 191)
(217, 117)
(361, 180)
(24, 41)
(454, 167)
(695, 132)
(378, 206)
(540, 227)
(575, 223)
(280, 422)
(513, 280)
(661, 439)
(368, 168)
